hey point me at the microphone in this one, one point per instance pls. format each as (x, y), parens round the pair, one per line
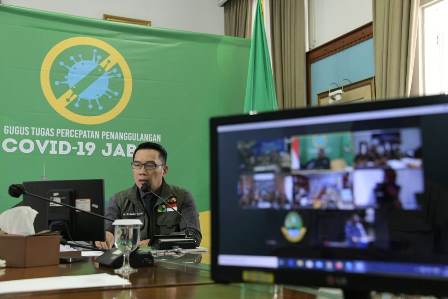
(145, 189)
(17, 190)
(172, 240)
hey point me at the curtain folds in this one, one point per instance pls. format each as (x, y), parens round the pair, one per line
(396, 37)
(238, 18)
(288, 52)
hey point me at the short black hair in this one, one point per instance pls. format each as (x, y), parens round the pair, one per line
(154, 146)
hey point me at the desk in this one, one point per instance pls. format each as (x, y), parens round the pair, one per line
(209, 291)
(169, 278)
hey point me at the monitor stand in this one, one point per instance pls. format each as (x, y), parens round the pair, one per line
(352, 294)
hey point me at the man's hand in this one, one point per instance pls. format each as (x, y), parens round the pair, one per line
(108, 243)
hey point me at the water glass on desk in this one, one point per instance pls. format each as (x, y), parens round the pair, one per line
(127, 238)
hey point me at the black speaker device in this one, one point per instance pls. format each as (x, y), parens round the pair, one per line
(139, 258)
(174, 240)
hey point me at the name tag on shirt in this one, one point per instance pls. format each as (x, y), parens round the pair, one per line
(133, 214)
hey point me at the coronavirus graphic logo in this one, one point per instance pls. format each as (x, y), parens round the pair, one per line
(86, 80)
(79, 70)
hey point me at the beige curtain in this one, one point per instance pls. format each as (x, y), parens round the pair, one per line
(238, 18)
(395, 33)
(288, 52)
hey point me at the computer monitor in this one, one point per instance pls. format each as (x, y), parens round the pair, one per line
(350, 196)
(87, 195)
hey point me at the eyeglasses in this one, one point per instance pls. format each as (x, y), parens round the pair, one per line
(150, 165)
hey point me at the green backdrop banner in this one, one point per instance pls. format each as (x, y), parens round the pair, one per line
(79, 94)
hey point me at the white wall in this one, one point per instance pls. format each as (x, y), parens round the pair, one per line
(192, 15)
(329, 19)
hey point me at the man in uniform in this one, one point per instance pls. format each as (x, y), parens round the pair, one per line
(162, 208)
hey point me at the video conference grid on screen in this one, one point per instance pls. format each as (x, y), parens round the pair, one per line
(349, 189)
(361, 171)
(368, 169)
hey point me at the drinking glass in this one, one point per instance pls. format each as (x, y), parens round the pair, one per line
(127, 238)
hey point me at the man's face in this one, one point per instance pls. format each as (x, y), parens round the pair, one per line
(321, 153)
(152, 177)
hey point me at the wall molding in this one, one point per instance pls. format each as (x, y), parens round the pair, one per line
(334, 46)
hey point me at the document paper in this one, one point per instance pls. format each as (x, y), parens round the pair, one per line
(62, 283)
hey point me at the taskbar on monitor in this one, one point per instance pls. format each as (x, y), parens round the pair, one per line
(326, 265)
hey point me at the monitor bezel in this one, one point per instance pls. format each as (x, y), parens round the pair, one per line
(343, 280)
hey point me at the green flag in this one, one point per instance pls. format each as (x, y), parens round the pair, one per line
(260, 88)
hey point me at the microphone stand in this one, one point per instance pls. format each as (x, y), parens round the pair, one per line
(66, 205)
(186, 241)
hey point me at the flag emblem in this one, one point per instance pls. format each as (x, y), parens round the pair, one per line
(172, 204)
